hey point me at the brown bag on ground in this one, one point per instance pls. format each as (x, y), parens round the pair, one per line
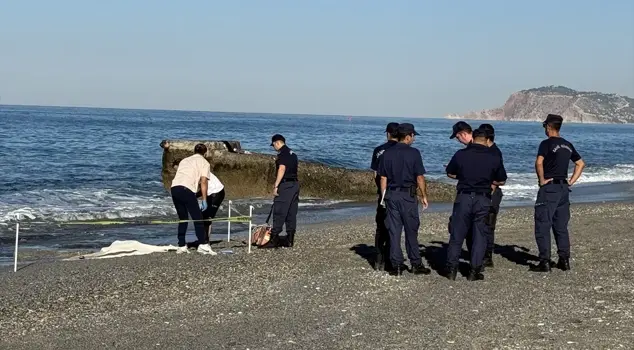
(262, 233)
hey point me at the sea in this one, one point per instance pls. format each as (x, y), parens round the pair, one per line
(63, 164)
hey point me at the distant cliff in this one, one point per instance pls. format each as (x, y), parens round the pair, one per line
(573, 106)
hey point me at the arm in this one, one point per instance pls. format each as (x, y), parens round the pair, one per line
(420, 181)
(383, 183)
(452, 168)
(203, 187)
(579, 165)
(539, 169)
(280, 175)
(500, 175)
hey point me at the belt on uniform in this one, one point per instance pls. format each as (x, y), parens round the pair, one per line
(399, 189)
(289, 180)
(559, 182)
(476, 193)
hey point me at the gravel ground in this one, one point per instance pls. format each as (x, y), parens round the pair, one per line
(323, 294)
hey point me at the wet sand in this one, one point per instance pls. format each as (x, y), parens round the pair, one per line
(324, 294)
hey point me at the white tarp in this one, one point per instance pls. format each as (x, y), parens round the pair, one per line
(125, 248)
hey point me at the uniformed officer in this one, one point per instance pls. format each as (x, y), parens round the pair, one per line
(476, 167)
(461, 131)
(382, 236)
(402, 178)
(552, 207)
(286, 192)
(496, 198)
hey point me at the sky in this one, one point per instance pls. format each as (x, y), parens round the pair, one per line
(418, 58)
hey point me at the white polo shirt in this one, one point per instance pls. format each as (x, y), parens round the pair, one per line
(213, 185)
(189, 172)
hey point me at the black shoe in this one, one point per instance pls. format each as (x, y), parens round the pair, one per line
(488, 259)
(274, 242)
(398, 270)
(420, 269)
(290, 240)
(451, 273)
(563, 264)
(543, 266)
(475, 274)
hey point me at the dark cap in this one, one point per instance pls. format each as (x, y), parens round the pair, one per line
(553, 119)
(488, 129)
(277, 137)
(406, 129)
(458, 127)
(479, 132)
(391, 128)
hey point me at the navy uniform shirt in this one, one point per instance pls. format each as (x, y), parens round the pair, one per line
(557, 153)
(476, 167)
(495, 149)
(287, 158)
(376, 160)
(401, 164)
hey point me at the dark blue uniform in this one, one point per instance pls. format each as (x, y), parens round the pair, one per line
(475, 167)
(496, 200)
(552, 207)
(382, 236)
(285, 205)
(401, 165)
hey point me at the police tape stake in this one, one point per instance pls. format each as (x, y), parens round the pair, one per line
(250, 224)
(229, 224)
(17, 238)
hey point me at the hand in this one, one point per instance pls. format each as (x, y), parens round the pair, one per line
(570, 183)
(275, 194)
(545, 182)
(423, 201)
(203, 205)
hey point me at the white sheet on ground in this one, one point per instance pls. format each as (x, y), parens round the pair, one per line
(125, 248)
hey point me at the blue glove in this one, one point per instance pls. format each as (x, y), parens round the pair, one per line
(203, 205)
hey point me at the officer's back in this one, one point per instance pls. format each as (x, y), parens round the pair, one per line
(475, 167)
(402, 164)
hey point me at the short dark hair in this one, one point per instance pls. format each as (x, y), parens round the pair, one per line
(489, 131)
(479, 133)
(200, 149)
(392, 129)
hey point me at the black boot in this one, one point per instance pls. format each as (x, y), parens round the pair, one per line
(398, 270)
(488, 259)
(291, 239)
(274, 242)
(563, 264)
(475, 274)
(451, 272)
(379, 262)
(420, 269)
(543, 266)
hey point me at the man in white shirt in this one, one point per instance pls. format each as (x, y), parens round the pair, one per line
(192, 171)
(215, 196)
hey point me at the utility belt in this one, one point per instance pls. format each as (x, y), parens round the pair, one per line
(476, 193)
(288, 180)
(411, 189)
(558, 182)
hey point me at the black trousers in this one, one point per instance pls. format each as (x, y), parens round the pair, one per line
(285, 207)
(491, 221)
(185, 202)
(552, 210)
(382, 235)
(402, 214)
(213, 203)
(469, 214)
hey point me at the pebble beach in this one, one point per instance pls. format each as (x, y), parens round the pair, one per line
(324, 294)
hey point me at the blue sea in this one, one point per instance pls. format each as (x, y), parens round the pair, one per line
(69, 164)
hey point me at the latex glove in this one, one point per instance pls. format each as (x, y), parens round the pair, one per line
(203, 205)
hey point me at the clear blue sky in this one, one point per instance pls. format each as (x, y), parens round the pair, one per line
(359, 57)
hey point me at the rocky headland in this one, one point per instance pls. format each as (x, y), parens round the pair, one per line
(574, 106)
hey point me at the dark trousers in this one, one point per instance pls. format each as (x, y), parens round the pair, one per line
(382, 235)
(552, 210)
(491, 221)
(469, 213)
(285, 207)
(213, 203)
(185, 202)
(402, 213)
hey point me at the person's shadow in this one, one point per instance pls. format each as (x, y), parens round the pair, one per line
(516, 254)
(368, 252)
(436, 255)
